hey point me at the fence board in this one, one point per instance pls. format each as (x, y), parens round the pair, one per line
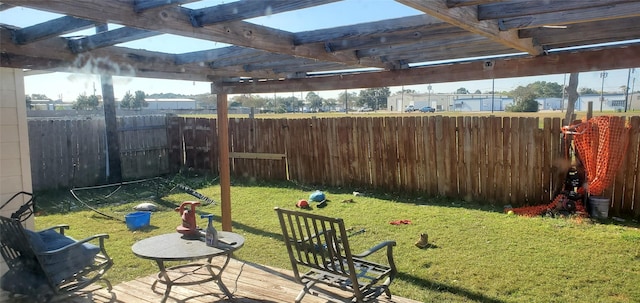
(474, 159)
(414, 173)
(91, 154)
(483, 133)
(631, 165)
(174, 135)
(528, 183)
(324, 156)
(546, 179)
(635, 137)
(460, 163)
(373, 134)
(516, 170)
(36, 133)
(506, 157)
(437, 158)
(345, 144)
(293, 160)
(538, 191)
(391, 152)
(362, 149)
(451, 161)
(499, 164)
(464, 141)
(557, 158)
(492, 154)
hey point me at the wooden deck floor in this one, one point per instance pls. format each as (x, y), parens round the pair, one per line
(248, 282)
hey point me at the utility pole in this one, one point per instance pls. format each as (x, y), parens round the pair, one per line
(633, 84)
(564, 89)
(602, 75)
(626, 91)
(400, 108)
(493, 92)
(346, 102)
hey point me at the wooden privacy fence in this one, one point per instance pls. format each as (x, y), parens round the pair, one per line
(67, 153)
(508, 160)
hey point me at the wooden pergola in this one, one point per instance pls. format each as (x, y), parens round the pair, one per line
(476, 39)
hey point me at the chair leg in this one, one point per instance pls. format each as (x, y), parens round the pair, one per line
(108, 283)
(387, 292)
(306, 289)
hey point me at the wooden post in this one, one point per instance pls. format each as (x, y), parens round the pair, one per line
(589, 110)
(114, 174)
(223, 147)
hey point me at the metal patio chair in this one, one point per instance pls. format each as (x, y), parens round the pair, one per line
(320, 245)
(47, 264)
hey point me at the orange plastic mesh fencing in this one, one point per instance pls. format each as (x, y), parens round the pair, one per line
(601, 145)
(536, 210)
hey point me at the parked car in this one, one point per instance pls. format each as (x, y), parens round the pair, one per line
(427, 109)
(365, 109)
(409, 109)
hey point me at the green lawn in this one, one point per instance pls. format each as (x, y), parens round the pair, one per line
(478, 253)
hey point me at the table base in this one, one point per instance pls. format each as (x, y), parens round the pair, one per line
(190, 274)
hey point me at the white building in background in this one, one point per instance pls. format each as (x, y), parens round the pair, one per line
(608, 102)
(449, 102)
(489, 102)
(480, 103)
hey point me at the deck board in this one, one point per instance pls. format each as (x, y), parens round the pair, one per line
(248, 282)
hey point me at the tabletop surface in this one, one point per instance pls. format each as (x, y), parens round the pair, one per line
(173, 247)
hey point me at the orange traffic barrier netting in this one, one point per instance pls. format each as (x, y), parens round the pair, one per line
(601, 145)
(559, 203)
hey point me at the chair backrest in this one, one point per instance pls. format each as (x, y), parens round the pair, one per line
(318, 242)
(16, 248)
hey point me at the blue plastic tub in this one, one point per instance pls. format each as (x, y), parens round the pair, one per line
(137, 220)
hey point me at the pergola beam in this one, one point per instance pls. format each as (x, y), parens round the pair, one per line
(467, 19)
(610, 12)
(50, 28)
(555, 63)
(175, 20)
(246, 9)
(109, 38)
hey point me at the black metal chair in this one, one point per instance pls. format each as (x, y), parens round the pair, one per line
(47, 264)
(321, 244)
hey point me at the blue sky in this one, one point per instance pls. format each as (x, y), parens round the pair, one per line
(69, 85)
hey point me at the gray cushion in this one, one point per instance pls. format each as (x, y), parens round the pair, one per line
(35, 240)
(25, 282)
(65, 264)
(30, 281)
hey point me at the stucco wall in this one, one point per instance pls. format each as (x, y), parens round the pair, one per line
(15, 169)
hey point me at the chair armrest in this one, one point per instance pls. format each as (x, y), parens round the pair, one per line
(59, 227)
(100, 237)
(388, 244)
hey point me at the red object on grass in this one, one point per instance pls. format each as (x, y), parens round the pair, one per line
(399, 222)
(536, 210)
(302, 204)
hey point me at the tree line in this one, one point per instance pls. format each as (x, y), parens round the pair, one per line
(373, 98)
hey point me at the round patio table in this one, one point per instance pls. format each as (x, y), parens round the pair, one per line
(174, 247)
